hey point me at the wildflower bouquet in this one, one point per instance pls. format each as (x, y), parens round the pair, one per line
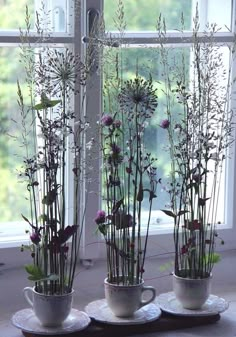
(129, 174)
(48, 134)
(200, 136)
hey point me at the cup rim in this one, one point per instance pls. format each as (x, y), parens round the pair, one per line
(52, 295)
(207, 276)
(106, 282)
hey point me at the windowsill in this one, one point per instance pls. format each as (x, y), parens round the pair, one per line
(89, 286)
(10, 237)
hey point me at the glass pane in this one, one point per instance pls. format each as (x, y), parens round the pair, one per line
(52, 15)
(15, 132)
(141, 15)
(146, 61)
(12, 193)
(12, 13)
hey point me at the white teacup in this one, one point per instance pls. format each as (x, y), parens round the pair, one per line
(124, 300)
(51, 310)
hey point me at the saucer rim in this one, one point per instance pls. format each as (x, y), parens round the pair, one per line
(119, 320)
(205, 311)
(44, 330)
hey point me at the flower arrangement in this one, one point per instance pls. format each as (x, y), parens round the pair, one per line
(50, 130)
(129, 172)
(200, 135)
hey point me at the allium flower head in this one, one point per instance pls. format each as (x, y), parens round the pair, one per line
(61, 71)
(139, 94)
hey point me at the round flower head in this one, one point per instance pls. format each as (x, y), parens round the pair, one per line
(165, 124)
(107, 120)
(62, 71)
(139, 94)
(100, 218)
(35, 237)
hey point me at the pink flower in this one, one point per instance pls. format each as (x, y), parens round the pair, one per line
(165, 124)
(100, 218)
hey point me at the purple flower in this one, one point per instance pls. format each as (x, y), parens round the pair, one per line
(100, 218)
(165, 124)
(107, 120)
(35, 238)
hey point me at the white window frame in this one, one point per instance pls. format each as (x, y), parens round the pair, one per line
(92, 246)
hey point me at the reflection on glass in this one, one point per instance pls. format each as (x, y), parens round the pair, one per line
(58, 19)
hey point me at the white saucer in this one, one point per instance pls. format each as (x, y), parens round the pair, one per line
(27, 321)
(213, 306)
(100, 311)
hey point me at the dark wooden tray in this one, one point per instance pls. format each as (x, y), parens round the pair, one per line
(166, 322)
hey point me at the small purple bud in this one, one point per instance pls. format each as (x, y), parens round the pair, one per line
(35, 238)
(165, 124)
(117, 124)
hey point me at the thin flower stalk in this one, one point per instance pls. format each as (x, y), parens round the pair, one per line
(200, 137)
(129, 174)
(54, 246)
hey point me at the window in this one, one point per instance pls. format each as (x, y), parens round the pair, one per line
(13, 196)
(137, 41)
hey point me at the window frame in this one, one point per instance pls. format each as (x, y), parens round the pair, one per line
(92, 246)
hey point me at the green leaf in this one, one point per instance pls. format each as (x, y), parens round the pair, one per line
(212, 258)
(36, 274)
(169, 213)
(102, 229)
(53, 277)
(27, 220)
(46, 103)
(43, 217)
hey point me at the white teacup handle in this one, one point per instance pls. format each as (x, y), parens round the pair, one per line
(28, 298)
(152, 290)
